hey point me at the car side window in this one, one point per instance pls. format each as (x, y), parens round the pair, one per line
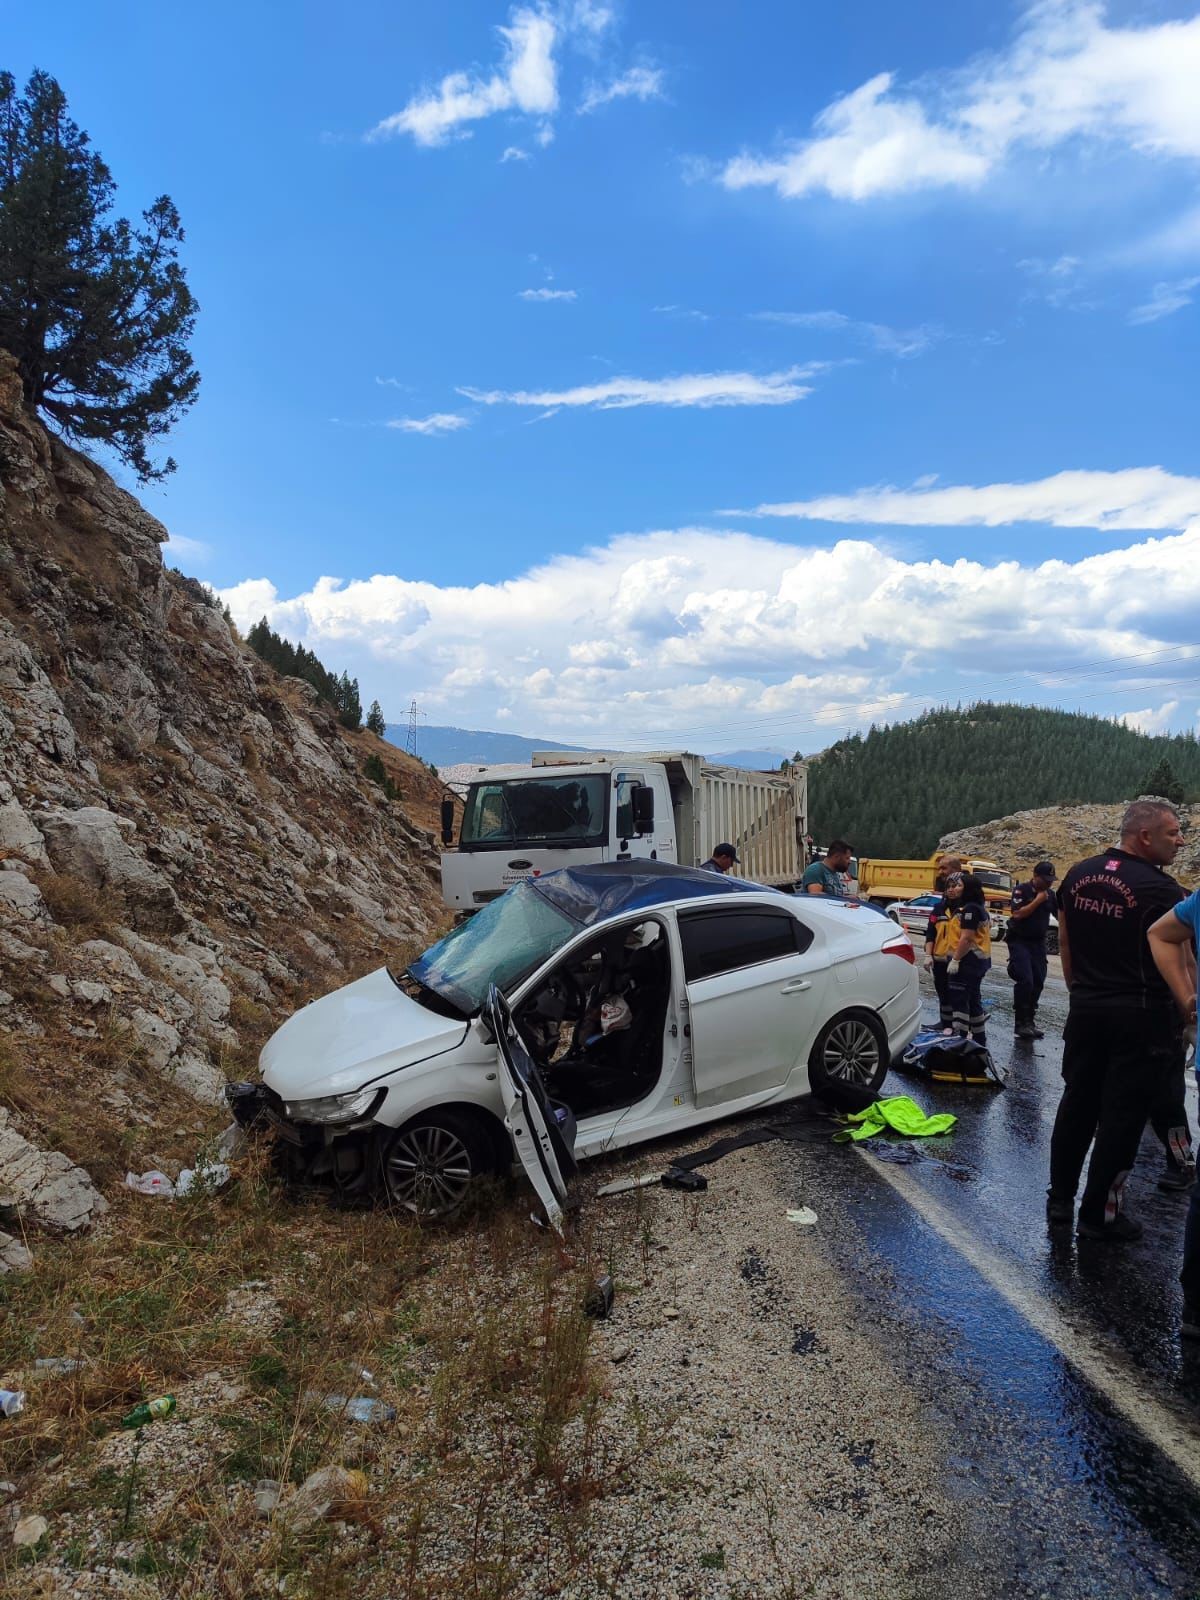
(723, 941)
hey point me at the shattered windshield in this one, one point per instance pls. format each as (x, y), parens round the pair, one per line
(500, 944)
(542, 811)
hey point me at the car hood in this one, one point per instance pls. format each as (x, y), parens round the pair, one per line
(351, 1037)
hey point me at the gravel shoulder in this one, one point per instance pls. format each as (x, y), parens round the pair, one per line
(795, 1457)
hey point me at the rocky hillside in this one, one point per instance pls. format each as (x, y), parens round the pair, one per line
(1063, 834)
(188, 848)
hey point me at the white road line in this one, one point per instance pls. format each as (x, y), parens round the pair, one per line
(1107, 1369)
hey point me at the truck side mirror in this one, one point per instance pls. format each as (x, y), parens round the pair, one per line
(447, 820)
(643, 808)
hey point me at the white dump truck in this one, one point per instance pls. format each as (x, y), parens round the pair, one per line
(569, 809)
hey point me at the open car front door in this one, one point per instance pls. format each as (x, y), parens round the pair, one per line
(543, 1134)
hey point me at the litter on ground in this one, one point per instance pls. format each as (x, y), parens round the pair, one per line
(899, 1113)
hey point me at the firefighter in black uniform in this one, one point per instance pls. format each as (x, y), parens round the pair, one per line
(1028, 925)
(1123, 1043)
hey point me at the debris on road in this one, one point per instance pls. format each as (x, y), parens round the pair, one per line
(803, 1216)
(355, 1408)
(598, 1302)
(624, 1185)
(267, 1492)
(152, 1183)
(953, 1058)
(147, 1411)
(328, 1492)
(898, 1112)
(211, 1176)
(29, 1530)
(682, 1178)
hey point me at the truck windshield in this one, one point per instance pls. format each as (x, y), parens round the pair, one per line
(556, 811)
(500, 944)
(996, 880)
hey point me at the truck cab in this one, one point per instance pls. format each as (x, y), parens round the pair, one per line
(571, 809)
(519, 822)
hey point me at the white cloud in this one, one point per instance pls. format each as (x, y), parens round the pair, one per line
(1165, 299)
(547, 294)
(514, 152)
(1179, 239)
(1067, 75)
(687, 632)
(439, 422)
(179, 545)
(683, 313)
(526, 81)
(1136, 497)
(701, 389)
(891, 341)
(390, 383)
(1150, 720)
(590, 17)
(639, 83)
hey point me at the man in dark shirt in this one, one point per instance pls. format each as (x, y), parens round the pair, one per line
(723, 859)
(1032, 905)
(1123, 1041)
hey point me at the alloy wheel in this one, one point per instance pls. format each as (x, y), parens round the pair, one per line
(429, 1170)
(851, 1053)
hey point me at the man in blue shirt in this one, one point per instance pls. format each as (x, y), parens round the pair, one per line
(1173, 941)
(1032, 906)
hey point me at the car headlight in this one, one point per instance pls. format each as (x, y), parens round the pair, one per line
(335, 1107)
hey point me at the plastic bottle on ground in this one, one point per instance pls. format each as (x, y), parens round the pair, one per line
(149, 1411)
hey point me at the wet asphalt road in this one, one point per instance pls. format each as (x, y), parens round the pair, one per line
(1070, 1496)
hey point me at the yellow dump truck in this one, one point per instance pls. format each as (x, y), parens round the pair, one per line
(885, 881)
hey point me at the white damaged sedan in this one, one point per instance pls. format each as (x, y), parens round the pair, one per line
(582, 1011)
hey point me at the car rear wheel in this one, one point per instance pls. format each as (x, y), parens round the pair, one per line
(850, 1058)
(429, 1165)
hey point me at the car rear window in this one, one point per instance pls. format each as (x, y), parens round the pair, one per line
(723, 941)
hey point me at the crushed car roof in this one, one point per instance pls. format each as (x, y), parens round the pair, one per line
(593, 893)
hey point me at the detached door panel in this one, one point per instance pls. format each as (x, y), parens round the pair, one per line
(755, 979)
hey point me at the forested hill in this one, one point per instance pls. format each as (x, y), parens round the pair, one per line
(896, 790)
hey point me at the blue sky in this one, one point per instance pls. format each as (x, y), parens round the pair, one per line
(514, 319)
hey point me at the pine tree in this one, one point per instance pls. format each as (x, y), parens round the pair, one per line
(97, 312)
(375, 720)
(349, 706)
(1162, 781)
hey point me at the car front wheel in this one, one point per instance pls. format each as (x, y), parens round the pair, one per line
(429, 1165)
(850, 1058)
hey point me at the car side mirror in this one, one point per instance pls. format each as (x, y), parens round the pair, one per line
(447, 820)
(643, 808)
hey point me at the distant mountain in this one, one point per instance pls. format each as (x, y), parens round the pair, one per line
(896, 790)
(451, 747)
(448, 747)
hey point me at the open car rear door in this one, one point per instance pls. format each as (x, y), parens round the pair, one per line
(543, 1135)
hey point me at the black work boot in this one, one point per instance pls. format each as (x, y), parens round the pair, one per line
(1121, 1230)
(1060, 1209)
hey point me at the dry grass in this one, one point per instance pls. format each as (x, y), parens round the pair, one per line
(475, 1334)
(76, 905)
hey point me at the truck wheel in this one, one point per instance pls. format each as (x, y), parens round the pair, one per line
(428, 1166)
(849, 1060)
